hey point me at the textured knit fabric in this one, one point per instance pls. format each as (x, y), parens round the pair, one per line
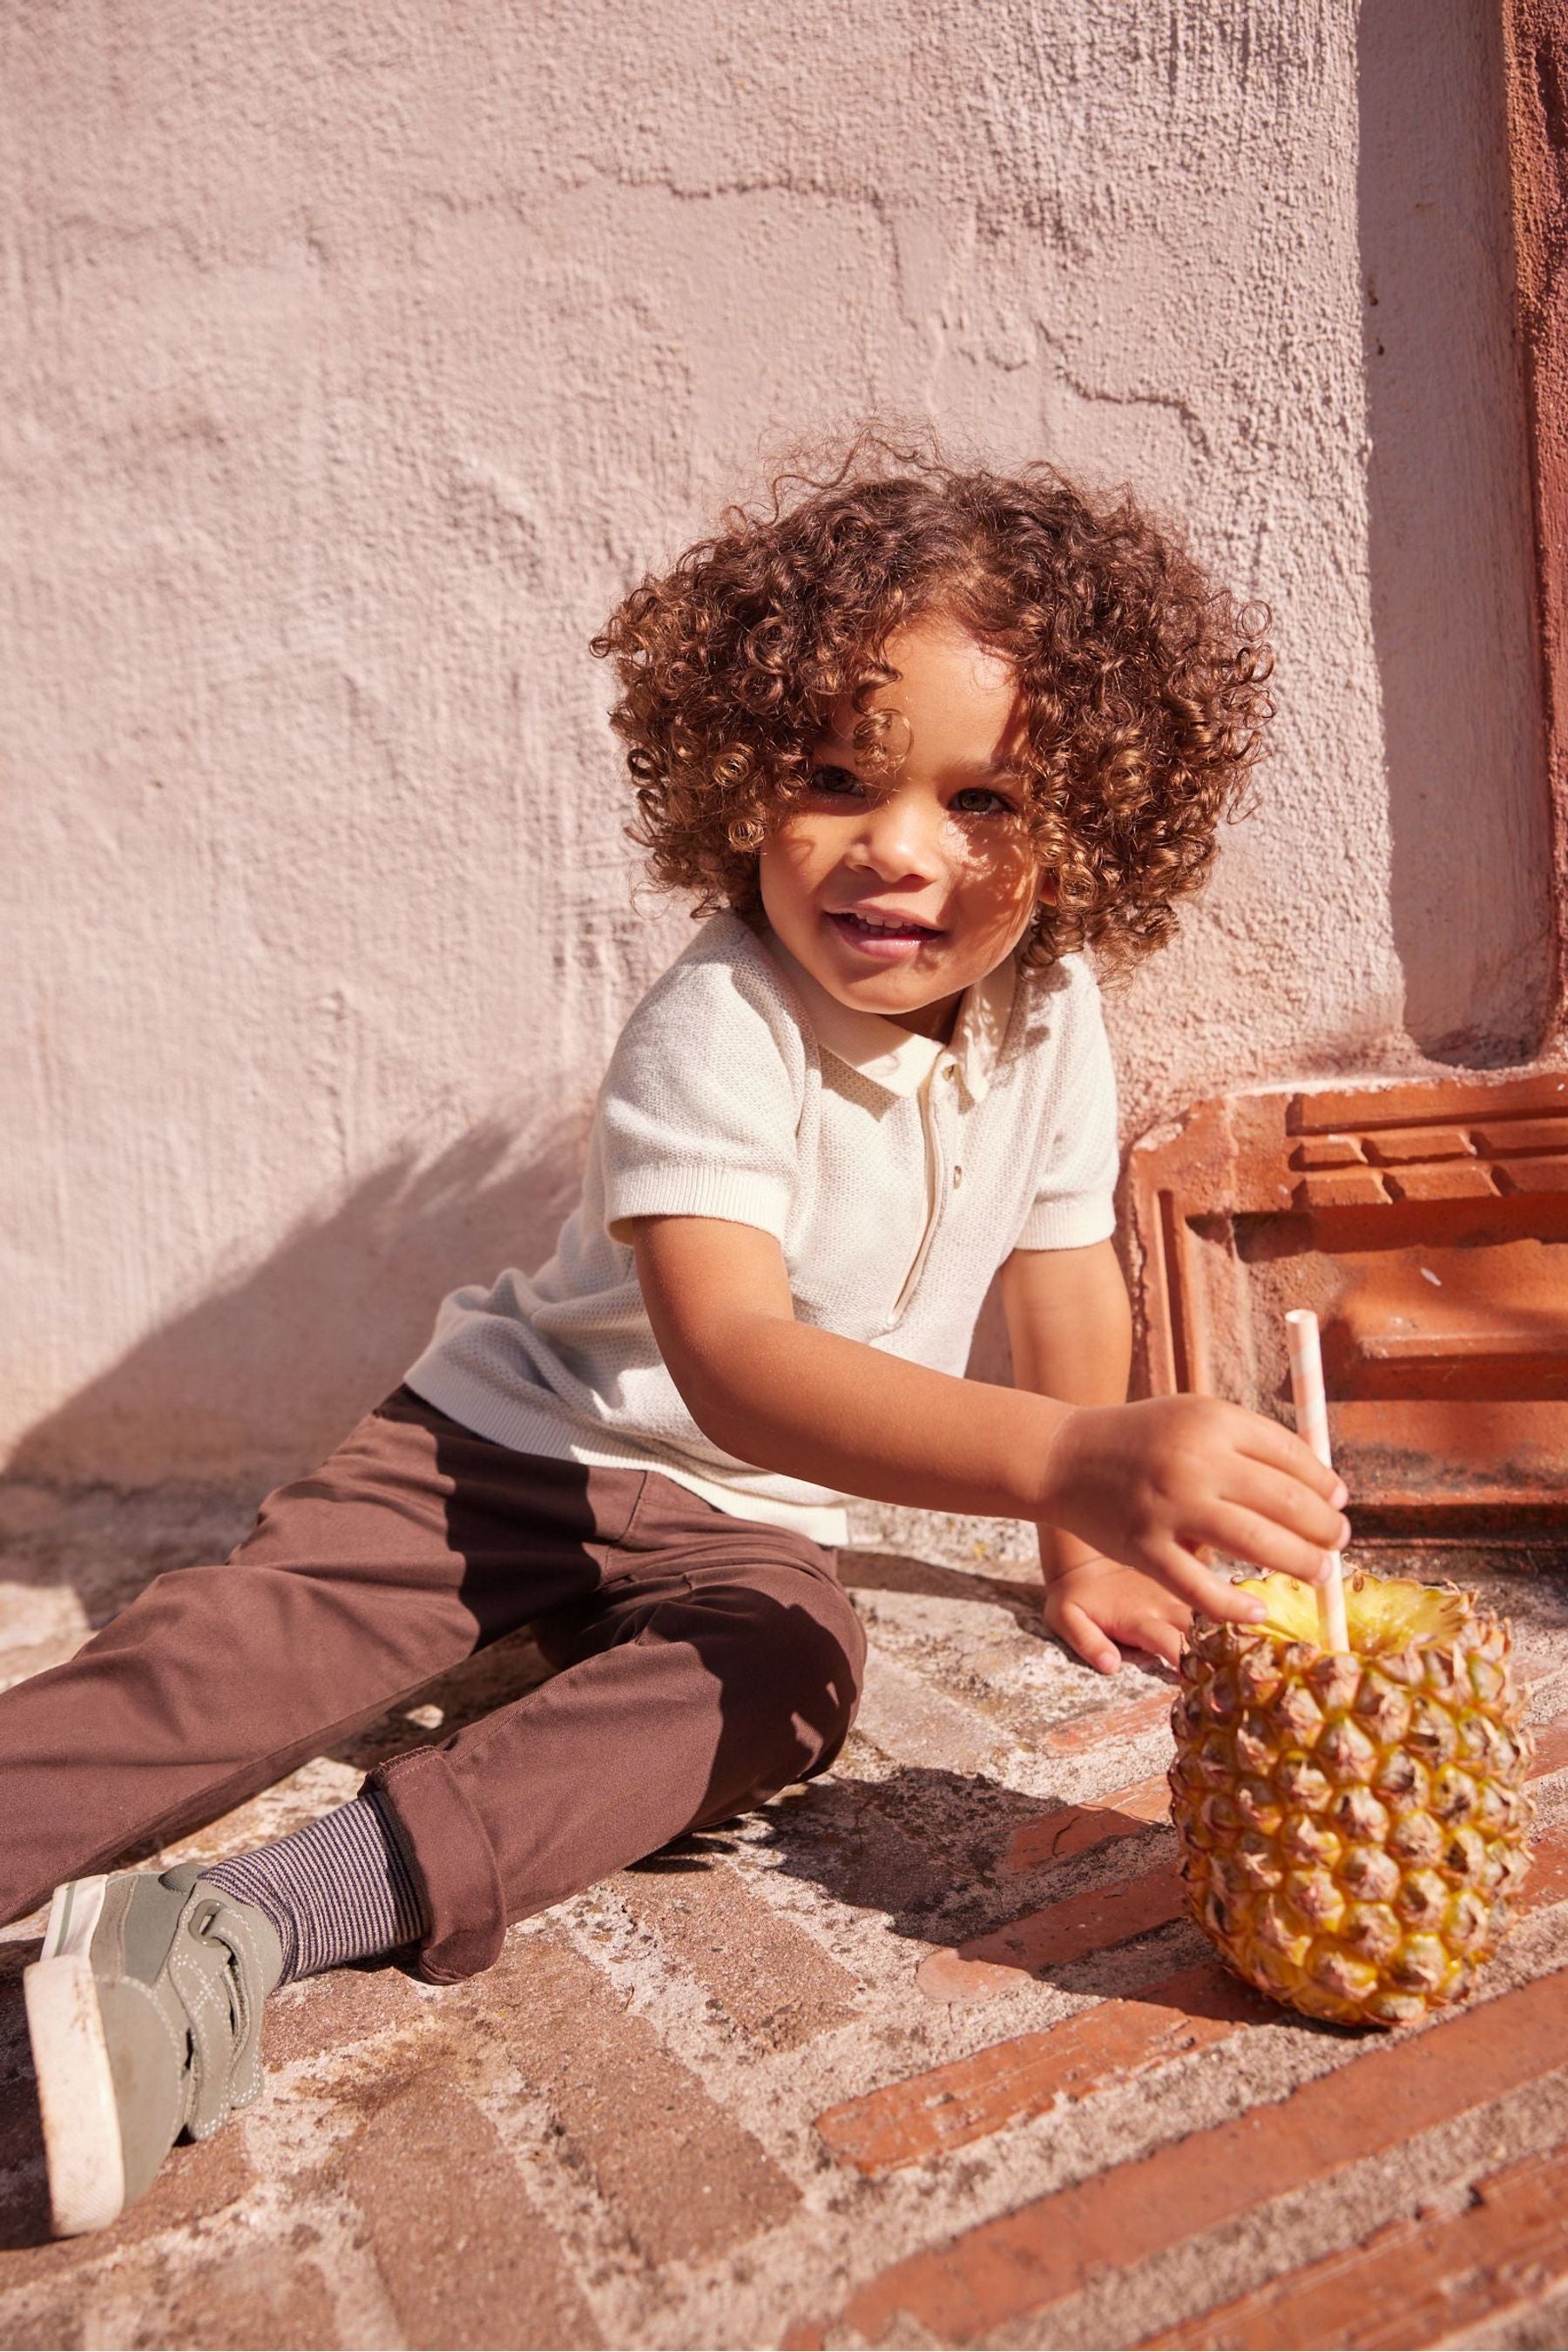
(896, 1174)
(337, 1890)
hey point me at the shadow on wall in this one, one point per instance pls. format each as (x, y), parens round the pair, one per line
(1450, 548)
(259, 1381)
(261, 1378)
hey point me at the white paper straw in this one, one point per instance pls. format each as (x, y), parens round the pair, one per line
(1312, 1424)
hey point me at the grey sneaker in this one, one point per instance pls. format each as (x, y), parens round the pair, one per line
(145, 2010)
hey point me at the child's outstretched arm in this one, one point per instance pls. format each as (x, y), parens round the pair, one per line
(1150, 1485)
(1071, 1331)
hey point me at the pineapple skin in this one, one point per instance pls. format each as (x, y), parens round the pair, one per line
(1353, 1827)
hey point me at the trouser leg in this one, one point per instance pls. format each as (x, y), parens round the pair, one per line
(699, 1683)
(706, 1661)
(391, 1563)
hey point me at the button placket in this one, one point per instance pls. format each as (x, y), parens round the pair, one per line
(943, 1175)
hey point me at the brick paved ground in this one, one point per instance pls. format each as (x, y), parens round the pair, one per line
(925, 2054)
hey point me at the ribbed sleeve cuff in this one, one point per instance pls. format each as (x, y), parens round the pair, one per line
(1071, 1223)
(738, 1197)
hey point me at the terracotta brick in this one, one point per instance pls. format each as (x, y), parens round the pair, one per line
(1551, 1747)
(1534, 1175)
(1418, 2282)
(950, 2106)
(61, 2326)
(989, 1965)
(870, 1858)
(1021, 2077)
(1444, 1413)
(1548, 1880)
(1367, 1108)
(1346, 1188)
(913, 1722)
(244, 2301)
(197, 2180)
(1098, 1728)
(993, 1964)
(1074, 1829)
(1465, 1180)
(335, 2010)
(768, 1975)
(464, 2257)
(1328, 1151)
(1505, 1138)
(687, 2182)
(1016, 2267)
(1393, 1146)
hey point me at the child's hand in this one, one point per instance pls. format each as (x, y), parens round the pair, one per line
(1094, 1603)
(1157, 1486)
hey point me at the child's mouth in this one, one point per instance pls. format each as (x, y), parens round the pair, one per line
(889, 938)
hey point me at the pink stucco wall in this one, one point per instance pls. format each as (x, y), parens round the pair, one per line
(356, 358)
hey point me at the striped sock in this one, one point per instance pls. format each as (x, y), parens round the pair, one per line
(337, 1890)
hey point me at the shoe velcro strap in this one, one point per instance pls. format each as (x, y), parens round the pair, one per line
(214, 1968)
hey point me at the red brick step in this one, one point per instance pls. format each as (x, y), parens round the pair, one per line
(1020, 2265)
(989, 1965)
(947, 2106)
(1013, 2080)
(1416, 2282)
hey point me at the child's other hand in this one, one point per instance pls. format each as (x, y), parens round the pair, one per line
(1095, 1603)
(1158, 1486)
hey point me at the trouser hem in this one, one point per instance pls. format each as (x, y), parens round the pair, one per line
(450, 1860)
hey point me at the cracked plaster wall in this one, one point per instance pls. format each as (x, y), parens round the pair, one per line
(357, 359)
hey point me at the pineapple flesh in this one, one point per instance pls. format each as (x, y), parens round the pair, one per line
(1352, 1824)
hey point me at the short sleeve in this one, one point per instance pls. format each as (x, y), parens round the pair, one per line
(1076, 1162)
(699, 1112)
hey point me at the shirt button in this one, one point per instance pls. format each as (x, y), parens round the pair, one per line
(950, 1069)
(957, 1178)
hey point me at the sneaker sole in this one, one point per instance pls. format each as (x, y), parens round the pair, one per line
(70, 2055)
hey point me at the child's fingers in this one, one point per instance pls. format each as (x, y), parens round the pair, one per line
(1159, 1636)
(1200, 1588)
(1267, 1441)
(1094, 1646)
(1286, 1503)
(1263, 1543)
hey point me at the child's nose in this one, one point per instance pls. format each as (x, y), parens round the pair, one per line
(900, 836)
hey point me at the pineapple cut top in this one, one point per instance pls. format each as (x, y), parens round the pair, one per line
(1384, 1614)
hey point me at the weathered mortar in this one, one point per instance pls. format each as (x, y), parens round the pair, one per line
(356, 362)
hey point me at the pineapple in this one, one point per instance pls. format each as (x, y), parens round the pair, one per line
(1352, 1824)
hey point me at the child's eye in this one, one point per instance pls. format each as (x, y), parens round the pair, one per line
(979, 800)
(838, 783)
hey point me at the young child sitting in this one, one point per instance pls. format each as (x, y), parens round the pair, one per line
(912, 741)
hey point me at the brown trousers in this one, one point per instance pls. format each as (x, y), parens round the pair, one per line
(706, 1662)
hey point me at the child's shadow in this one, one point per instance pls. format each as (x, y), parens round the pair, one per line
(933, 1849)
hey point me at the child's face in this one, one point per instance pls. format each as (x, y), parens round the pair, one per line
(897, 888)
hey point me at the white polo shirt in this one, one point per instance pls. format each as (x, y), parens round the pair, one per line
(896, 1175)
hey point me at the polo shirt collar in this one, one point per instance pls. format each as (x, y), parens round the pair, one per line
(899, 1059)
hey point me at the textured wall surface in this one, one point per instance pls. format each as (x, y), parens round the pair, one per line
(355, 360)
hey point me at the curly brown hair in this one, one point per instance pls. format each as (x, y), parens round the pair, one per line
(1143, 685)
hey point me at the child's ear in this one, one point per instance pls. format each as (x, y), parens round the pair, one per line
(1047, 892)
